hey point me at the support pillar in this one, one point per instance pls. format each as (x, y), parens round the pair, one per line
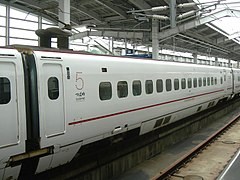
(173, 13)
(111, 44)
(195, 58)
(7, 40)
(216, 61)
(126, 46)
(64, 12)
(39, 26)
(155, 41)
(134, 49)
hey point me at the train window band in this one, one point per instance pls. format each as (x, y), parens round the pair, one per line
(5, 90)
(149, 86)
(105, 88)
(53, 88)
(137, 88)
(159, 85)
(105, 91)
(122, 89)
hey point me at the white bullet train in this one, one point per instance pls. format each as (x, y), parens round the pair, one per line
(53, 102)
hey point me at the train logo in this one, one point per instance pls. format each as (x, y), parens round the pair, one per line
(80, 95)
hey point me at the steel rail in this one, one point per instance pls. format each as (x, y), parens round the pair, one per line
(170, 170)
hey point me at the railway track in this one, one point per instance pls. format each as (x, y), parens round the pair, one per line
(191, 165)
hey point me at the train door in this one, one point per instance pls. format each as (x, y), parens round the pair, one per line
(53, 105)
(9, 118)
(9, 130)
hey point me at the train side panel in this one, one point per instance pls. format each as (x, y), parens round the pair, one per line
(12, 110)
(73, 114)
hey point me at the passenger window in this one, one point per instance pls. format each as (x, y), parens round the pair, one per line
(208, 81)
(105, 91)
(204, 81)
(122, 89)
(137, 88)
(5, 90)
(176, 84)
(149, 86)
(168, 84)
(183, 83)
(221, 80)
(53, 88)
(215, 81)
(159, 85)
(211, 80)
(194, 82)
(189, 83)
(200, 82)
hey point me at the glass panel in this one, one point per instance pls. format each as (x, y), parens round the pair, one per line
(208, 81)
(183, 83)
(176, 84)
(53, 88)
(5, 90)
(194, 82)
(23, 34)
(105, 90)
(200, 82)
(189, 83)
(2, 21)
(2, 41)
(22, 15)
(204, 81)
(23, 42)
(159, 85)
(149, 86)
(137, 88)
(2, 10)
(211, 80)
(122, 89)
(168, 84)
(23, 24)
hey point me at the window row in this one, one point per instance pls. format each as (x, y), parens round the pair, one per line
(105, 88)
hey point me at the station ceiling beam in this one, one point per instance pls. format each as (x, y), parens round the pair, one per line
(88, 13)
(197, 22)
(114, 34)
(141, 4)
(113, 8)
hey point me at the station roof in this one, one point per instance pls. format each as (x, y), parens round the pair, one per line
(131, 19)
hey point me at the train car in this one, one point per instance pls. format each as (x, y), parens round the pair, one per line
(54, 102)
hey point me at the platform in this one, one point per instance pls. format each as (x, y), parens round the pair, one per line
(231, 172)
